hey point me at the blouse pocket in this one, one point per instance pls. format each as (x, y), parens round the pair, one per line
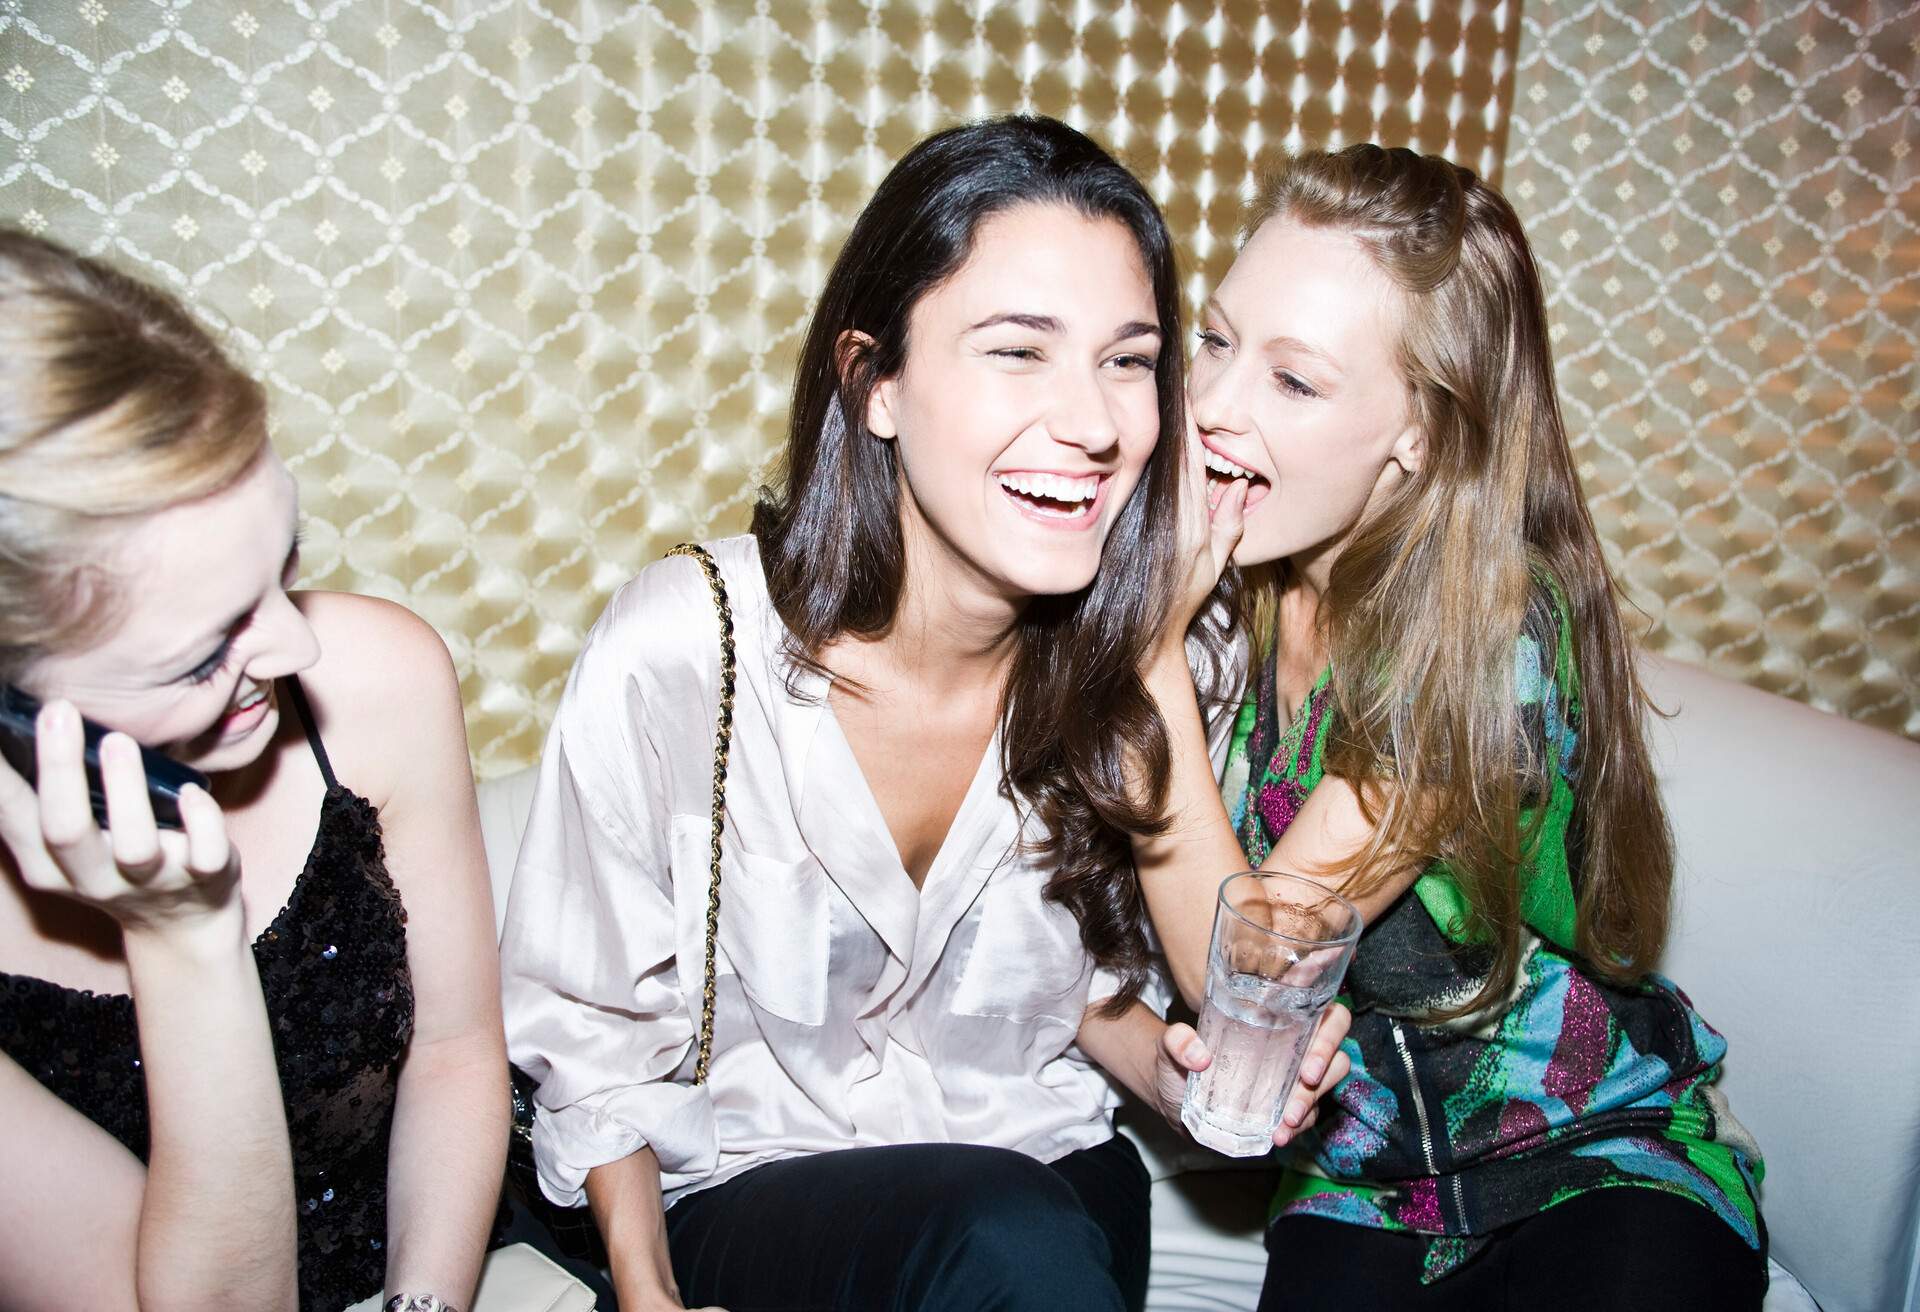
(774, 932)
(1025, 961)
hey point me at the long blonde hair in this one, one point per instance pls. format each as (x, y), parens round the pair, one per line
(1427, 597)
(114, 403)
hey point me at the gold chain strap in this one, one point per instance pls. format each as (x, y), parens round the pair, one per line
(722, 741)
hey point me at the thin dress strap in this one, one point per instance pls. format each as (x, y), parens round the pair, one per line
(304, 710)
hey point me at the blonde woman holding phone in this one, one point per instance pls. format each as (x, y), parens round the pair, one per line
(256, 1062)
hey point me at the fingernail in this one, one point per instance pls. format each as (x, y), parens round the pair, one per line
(1295, 1113)
(1313, 1070)
(57, 714)
(1196, 1051)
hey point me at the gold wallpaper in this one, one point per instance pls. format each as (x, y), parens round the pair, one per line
(525, 280)
(1726, 207)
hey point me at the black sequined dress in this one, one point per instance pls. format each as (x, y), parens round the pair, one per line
(333, 968)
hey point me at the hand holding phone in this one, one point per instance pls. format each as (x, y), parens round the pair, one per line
(147, 878)
(165, 776)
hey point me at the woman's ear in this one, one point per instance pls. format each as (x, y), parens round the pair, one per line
(1410, 449)
(880, 419)
(851, 352)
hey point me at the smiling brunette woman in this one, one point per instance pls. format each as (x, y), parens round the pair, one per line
(939, 619)
(271, 1040)
(1445, 724)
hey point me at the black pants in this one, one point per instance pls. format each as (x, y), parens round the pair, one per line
(1625, 1248)
(919, 1228)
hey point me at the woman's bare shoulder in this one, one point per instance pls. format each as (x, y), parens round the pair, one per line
(384, 690)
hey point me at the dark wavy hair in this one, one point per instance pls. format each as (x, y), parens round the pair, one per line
(1074, 711)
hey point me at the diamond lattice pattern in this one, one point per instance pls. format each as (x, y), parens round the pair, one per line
(525, 279)
(1725, 205)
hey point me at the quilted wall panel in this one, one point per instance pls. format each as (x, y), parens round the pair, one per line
(1725, 202)
(526, 279)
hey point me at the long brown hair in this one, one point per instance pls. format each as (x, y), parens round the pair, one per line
(1426, 598)
(1074, 710)
(114, 403)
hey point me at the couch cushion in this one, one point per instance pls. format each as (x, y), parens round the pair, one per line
(503, 818)
(1797, 933)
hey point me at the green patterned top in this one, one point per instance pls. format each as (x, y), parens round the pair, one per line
(1455, 1129)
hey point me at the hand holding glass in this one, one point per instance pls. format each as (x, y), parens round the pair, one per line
(1281, 944)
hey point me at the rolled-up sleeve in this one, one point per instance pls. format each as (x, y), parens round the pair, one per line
(591, 989)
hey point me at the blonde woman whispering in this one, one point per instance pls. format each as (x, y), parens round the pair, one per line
(1443, 722)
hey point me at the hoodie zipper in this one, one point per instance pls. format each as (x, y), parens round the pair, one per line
(1426, 1127)
(1419, 1103)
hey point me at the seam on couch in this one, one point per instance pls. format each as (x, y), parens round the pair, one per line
(1911, 1303)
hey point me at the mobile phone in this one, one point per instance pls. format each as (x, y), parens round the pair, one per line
(165, 776)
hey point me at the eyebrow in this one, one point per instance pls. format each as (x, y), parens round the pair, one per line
(1039, 323)
(1307, 348)
(1293, 343)
(1046, 323)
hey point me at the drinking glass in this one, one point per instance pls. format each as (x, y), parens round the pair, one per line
(1280, 948)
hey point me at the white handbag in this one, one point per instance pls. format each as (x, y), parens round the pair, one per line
(517, 1278)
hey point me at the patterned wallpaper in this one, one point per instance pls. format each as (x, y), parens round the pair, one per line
(525, 279)
(1726, 205)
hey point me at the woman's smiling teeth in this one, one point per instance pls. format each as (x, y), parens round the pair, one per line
(1223, 473)
(1219, 464)
(245, 707)
(1057, 496)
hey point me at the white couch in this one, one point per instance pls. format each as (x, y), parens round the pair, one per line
(1797, 932)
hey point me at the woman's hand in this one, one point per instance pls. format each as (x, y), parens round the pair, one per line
(151, 881)
(1209, 531)
(209, 1222)
(1323, 1067)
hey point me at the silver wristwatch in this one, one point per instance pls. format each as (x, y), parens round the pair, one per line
(417, 1303)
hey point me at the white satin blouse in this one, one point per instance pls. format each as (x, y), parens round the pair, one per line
(853, 1009)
